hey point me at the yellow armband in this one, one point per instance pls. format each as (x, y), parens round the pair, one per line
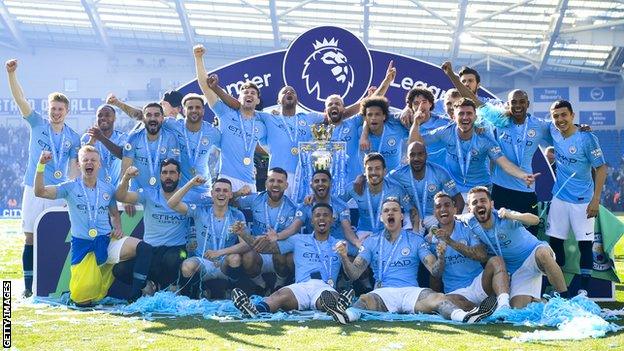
(40, 167)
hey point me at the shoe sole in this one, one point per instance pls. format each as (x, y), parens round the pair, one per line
(243, 303)
(485, 309)
(331, 305)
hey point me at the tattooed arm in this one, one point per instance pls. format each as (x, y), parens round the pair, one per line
(353, 269)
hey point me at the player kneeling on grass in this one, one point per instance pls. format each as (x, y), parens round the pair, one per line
(316, 269)
(527, 259)
(218, 255)
(460, 254)
(95, 246)
(394, 255)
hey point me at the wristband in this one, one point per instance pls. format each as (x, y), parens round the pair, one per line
(40, 167)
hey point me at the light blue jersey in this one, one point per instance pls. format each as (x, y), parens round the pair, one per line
(436, 152)
(163, 225)
(236, 147)
(576, 155)
(518, 143)
(64, 147)
(110, 165)
(466, 160)
(422, 191)
(348, 131)
(147, 155)
(265, 216)
(88, 207)
(341, 213)
(395, 265)
(507, 238)
(459, 270)
(312, 256)
(389, 143)
(283, 133)
(214, 233)
(369, 205)
(195, 148)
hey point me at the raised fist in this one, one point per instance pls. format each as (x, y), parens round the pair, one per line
(11, 65)
(199, 50)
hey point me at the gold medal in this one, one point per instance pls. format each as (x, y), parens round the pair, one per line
(330, 282)
(247, 161)
(58, 174)
(294, 150)
(152, 181)
(93, 232)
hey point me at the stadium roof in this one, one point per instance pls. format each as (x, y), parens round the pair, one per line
(526, 37)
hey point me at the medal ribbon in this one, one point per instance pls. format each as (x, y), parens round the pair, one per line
(374, 221)
(464, 162)
(328, 270)
(193, 155)
(246, 144)
(382, 238)
(57, 154)
(266, 215)
(152, 162)
(91, 214)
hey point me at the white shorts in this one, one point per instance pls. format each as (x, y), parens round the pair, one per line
(114, 250)
(308, 292)
(237, 183)
(33, 206)
(267, 263)
(474, 292)
(399, 300)
(210, 269)
(565, 215)
(527, 280)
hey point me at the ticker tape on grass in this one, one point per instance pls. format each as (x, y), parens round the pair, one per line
(575, 319)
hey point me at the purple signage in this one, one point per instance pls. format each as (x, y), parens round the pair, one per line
(324, 61)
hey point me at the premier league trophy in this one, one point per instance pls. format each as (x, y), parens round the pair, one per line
(321, 153)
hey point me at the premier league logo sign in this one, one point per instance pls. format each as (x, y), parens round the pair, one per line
(321, 63)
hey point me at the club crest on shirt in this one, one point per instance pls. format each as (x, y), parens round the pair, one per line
(572, 149)
(345, 130)
(463, 242)
(67, 144)
(531, 133)
(163, 149)
(431, 188)
(193, 206)
(302, 122)
(281, 219)
(298, 213)
(204, 141)
(128, 146)
(405, 251)
(391, 142)
(474, 152)
(106, 196)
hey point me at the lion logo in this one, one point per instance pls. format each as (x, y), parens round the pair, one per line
(328, 64)
(325, 61)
